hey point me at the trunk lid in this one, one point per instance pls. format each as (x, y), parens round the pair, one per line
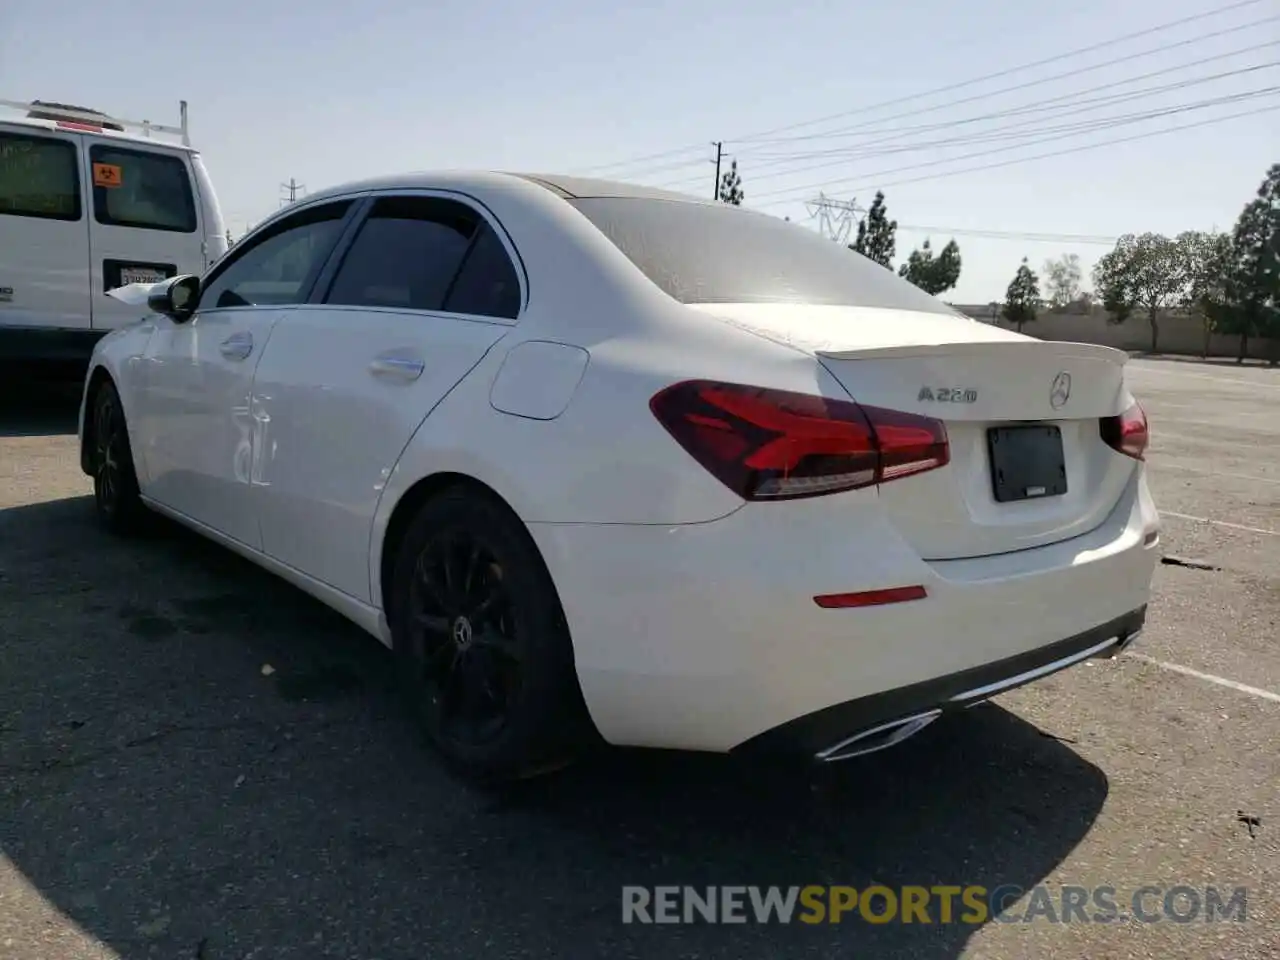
(973, 377)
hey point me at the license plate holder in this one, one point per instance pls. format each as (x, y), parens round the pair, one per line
(121, 273)
(1027, 462)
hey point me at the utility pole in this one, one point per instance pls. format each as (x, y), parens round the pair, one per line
(719, 145)
(293, 187)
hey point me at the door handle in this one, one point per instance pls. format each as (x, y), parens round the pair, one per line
(398, 367)
(237, 346)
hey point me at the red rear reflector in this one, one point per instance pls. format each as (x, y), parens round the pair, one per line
(869, 598)
(777, 445)
(1127, 433)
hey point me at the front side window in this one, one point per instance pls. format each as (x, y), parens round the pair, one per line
(405, 255)
(38, 178)
(278, 267)
(137, 188)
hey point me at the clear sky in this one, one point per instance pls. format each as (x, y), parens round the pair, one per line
(325, 91)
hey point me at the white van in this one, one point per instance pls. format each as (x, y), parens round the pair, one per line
(86, 207)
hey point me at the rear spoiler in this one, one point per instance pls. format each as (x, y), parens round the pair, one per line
(1010, 349)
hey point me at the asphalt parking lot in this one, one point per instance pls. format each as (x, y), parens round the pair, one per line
(197, 761)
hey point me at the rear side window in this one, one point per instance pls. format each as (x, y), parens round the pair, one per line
(487, 285)
(39, 177)
(405, 254)
(278, 267)
(137, 188)
(721, 253)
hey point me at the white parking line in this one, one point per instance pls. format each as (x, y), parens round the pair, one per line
(1239, 381)
(1214, 473)
(1207, 677)
(1219, 523)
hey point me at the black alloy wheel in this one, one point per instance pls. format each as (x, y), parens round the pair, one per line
(465, 638)
(115, 483)
(484, 649)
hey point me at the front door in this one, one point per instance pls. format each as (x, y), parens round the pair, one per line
(424, 290)
(199, 426)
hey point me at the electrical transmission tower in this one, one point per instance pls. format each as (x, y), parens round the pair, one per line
(835, 217)
(294, 189)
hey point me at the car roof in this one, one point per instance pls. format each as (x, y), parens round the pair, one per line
(567, 187)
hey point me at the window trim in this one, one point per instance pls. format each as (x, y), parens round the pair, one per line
(273, 228)
(74, 146)
(100, 212)
(326, 276)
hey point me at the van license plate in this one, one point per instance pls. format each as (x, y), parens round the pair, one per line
(130, 275)
(1027, 462)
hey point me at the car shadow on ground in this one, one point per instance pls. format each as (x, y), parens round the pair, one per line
(37, 408)
(197, 760)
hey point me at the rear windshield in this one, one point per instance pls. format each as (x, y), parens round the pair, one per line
(719, 253)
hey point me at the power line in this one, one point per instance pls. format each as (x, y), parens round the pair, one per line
(1011, 235)
(1150, 52)
(1017, 131)
(1149, 115)
(1057, 104)
(1159, 28)
(1040, 156)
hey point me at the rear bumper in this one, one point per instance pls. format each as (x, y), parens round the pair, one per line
(706, 636)
(882, 720)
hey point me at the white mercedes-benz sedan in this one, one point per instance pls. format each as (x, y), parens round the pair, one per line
(601, 462)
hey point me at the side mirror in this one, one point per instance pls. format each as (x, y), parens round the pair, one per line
(175, 298)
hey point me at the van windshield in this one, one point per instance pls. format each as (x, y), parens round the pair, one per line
(719, 253)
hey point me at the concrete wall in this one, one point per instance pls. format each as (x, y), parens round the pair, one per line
(1179, 334)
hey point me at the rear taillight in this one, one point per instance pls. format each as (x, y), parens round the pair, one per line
(776, 445)
(1127, 433)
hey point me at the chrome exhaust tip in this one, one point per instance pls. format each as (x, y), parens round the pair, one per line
(877, 738)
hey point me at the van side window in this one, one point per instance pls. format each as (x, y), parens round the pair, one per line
(280, 265)
(136, 188)
(39, 177)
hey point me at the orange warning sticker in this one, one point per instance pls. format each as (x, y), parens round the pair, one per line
(107, 175)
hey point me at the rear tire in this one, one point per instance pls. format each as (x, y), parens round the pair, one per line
(115, 482)
(483, 647)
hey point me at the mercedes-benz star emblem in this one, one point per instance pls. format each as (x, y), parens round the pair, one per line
(1060, 392)
(462, 633)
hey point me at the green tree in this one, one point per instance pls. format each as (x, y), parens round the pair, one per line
(933, 274)
(1143, 272)
(1062, 280)
(731, 186)
(1022, 299)
(1253, 277)
(1206, 262)
(877, 234)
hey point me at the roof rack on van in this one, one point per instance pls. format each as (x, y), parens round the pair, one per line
(81, 118)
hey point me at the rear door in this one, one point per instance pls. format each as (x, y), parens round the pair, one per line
(425, 288)
(145, 222)
(44, 242)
